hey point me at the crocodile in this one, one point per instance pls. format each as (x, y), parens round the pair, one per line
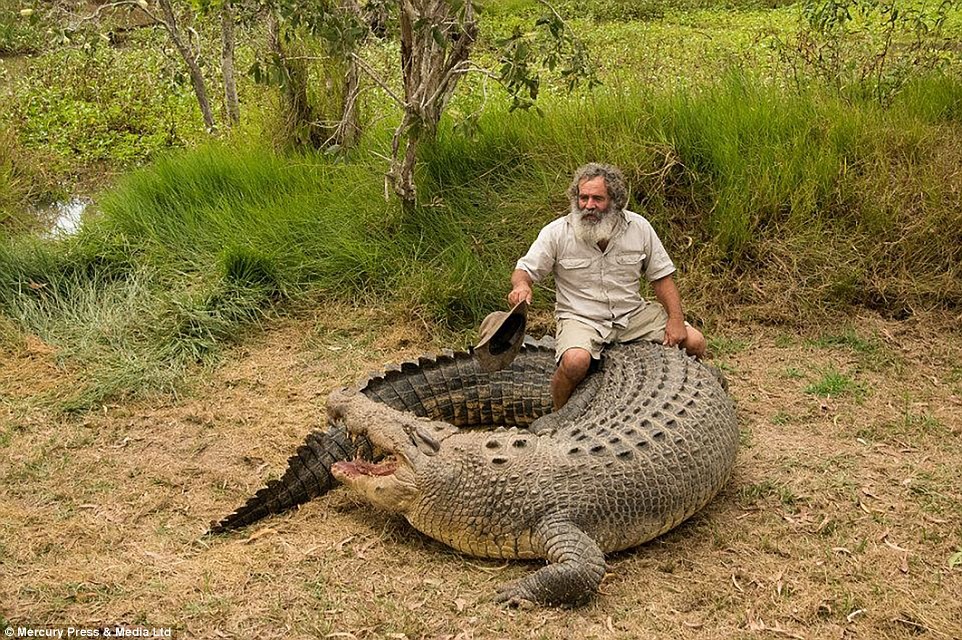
(645, 442)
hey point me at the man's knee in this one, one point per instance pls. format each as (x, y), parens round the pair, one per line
(695, 343)
(575, 363)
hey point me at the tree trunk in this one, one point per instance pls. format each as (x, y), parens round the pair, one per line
(301, 119)
(231, 104)
(348, 127)
(435, 45)
(196, 76)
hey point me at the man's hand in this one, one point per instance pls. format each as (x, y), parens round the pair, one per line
(675, 332)
(521, 292)
(520, 287)
(667, 294)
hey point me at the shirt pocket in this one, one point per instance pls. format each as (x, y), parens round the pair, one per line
(574, 263)
(628, 267)
(630, 259)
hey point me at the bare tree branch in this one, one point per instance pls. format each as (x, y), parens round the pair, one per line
(116, 5)
(366, 68)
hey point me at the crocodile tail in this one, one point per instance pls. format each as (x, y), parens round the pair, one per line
(451, 387)
(308, 475)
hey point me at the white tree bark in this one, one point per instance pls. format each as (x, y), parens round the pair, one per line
(191, 58)
(231, 103)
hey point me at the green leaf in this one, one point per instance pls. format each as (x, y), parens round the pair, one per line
(438, 36)
(955, 560)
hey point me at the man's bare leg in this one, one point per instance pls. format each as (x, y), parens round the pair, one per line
(570, 372)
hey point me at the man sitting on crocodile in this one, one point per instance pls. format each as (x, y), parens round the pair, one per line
(473, 456)
(598, 253)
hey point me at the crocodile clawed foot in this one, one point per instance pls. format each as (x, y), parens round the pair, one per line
(514, 596)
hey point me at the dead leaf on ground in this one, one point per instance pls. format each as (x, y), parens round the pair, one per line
(257, 535)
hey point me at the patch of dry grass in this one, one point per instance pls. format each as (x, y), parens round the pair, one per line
(839, 522)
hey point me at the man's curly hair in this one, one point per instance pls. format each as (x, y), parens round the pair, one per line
(614, 183)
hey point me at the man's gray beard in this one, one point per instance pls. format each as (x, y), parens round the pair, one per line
(594, 232)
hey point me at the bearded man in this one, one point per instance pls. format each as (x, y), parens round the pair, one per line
(598, 254)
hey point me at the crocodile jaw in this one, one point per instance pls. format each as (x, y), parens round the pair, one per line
(387, 485)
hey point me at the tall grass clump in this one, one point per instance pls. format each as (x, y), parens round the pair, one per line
(301, 222)
(762, 160)
(932, 99)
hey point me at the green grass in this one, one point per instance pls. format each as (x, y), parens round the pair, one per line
(848, 339)
(872, 353)
(782, 418)
(720, 346)
(834, 384)
(911, 427)
(792, 373)
(25, 179)
(752, 494)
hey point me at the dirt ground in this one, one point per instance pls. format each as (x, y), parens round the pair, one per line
(843, 518)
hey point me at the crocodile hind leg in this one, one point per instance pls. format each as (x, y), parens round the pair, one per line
(577, 568)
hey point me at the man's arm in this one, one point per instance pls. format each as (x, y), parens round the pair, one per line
(667, 294)
(520, 287)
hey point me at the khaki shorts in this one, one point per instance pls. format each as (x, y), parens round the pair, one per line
(647, 324)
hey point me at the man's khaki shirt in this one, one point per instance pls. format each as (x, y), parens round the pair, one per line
(599, 288)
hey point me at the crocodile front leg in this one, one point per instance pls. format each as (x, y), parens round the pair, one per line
(577, 568)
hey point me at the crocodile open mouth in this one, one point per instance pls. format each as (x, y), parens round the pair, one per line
(357, 468)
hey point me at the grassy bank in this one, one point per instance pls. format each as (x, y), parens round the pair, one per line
(790, 205)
